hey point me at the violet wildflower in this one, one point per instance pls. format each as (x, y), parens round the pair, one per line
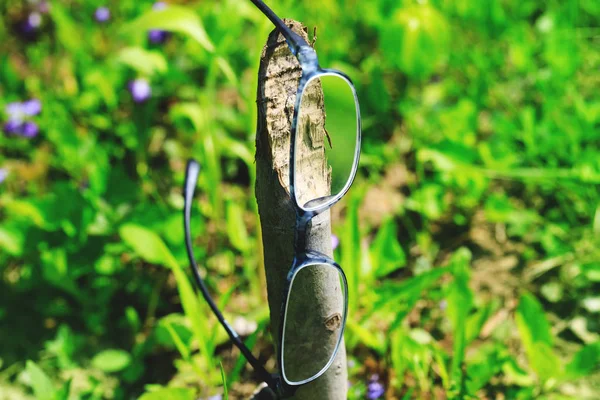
(3, 174)
(140, 90)
(102, 14)
(17, 112)
(375, 388)
(13, 127)
(335, 242)
(158, 35)
(14, 111)
(44, 7)
(33, 22)
(29, 129)
(31, 107)
(26, 129)
(443, 305)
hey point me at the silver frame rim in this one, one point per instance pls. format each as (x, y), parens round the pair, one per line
(293, 176)
(340, 338)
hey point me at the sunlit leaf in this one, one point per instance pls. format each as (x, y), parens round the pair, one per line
(416, 39)
(585, 361)
(387, 255)
(536, 336)
(169, 394)
(224, 380)
(592, 304)
(112, 360)
(173, 19)
(40, 382)
(460, 302)
(143, 61)
(11, 241)
(236, 229)
(147, 244)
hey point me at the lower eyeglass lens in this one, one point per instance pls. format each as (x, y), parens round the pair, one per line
(312, 329)
(325, 141)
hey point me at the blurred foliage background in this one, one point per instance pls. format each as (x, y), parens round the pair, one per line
(470, 238)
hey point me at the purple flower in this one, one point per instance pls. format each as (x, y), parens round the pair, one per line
(30, 129)
(34, 20)
(3, 174)
(13, 127)
(26, 129)
(17, 112)
(140, 90)
(31, 107)
(443, 305)
(159, 5)
(32, 23)
(157, 35)
(375, 388)
(102, 14)
(335, 242)
(44, 7)
(14, 111)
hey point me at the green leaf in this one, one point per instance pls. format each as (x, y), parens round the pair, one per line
(483, 365)
(224, 380)
(151, 248)
(585, 361)
(552, 291)
(415, 39)
(592, 304)
(147, 244)
(476, 321)
(371, 338)
(387, 254)
(183, 349)
(351, 249)
(11, 241)
(169, 394)
(56, 270)
(145, 62)
(393, 294)
(40, 382)
(64, 392)
(236, 229)
(112, 360)
(66, 28)
(536, 336)
(173, 19)
(27, 210)
(460, 302)
(179, 324)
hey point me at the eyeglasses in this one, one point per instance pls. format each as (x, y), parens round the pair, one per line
(341, 126)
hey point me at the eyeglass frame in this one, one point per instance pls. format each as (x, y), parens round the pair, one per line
(303, 258)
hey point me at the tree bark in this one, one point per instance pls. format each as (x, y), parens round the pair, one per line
(278, 79)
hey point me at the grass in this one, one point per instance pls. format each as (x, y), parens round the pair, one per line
(469, 239)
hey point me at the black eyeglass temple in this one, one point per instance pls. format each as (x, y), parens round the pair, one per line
(293, 40)
(191, 177)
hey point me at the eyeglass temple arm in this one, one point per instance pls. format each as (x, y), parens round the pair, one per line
(294, 41)
(191, 177)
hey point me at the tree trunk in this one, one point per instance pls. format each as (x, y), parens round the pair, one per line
(278, 79)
